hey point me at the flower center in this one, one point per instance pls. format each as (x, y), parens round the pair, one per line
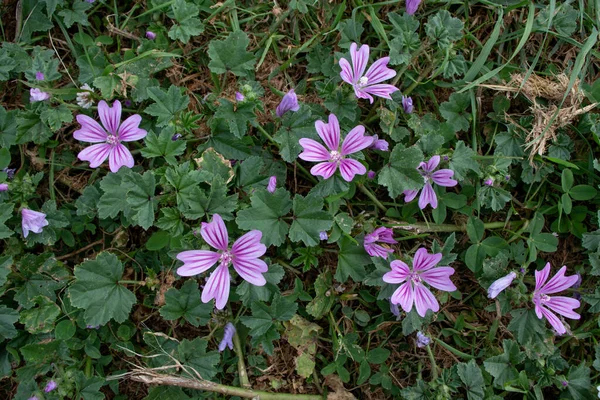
(542, 298)
(112, 140)
(415, 278)
(335, 156)
(226, 258)
(362, 82)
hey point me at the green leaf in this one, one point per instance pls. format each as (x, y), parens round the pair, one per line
(352, 258)
(6, 211)
(527, 327)
(163, 145)
(378, 355)
(260, 321)
(503, 367)
(579, 383)
(186, 303)
(231, 55)
(401, 173)
(193, 354)
(405, 40)
(583, 192)
(344, 106)
(463, 160)
(295, 126)
(320, 61)
(57, 116)
(89, 388)
(170, 220)
(266, 215)
(8, 128)
(7, 64)
(213, 164)
(87, 203)
(471, 376)
(40, 319)
(566, 180)
(509, 143)
(593, 300)
(444, 28)
(108, 84)
(115, 191)
(309, 219)
(217, 201)
(97, 290)
(186, 14)
(166, 104)
(158, 240)
(8, 317)
(475, 229)
(57, 219)
(36, 21)
(77, 14)
(250, 293)
(65, 330)
(236, 115)
(454, 111)
(185, 182)
(41, 275)
(6, 263)
(140, 197)
(324, 296)
(30, 128)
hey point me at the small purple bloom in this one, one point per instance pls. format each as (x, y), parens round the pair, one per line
(272, 184)
(239, 96)
(413, 291)
(323, 235)
(93, 326)
(244, 255)
(127, 103)
(559, 304)
(10, 172)
(50, 386)
(369, 83)
(411, 6)
(371, 174)
(446, 158)
(507, 178)
(407, 104)
(330, 160)
(422, 339)
(109, 136)
(150, 35)
(90, 1)
(288, 103)
(383, 235)
(36, 94)
(3, 187)
(32, 221)
(500, 284)
(488, 182)
(577, 283)
(39, 76)
(379, 144)
(176, 137)
(33, 398)
(565, 383)
(429, 173)
(228, 333)
(395, 310)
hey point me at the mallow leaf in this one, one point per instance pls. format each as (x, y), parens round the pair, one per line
(186, 303)
(231, 55)
(400, 173)
(266, 215)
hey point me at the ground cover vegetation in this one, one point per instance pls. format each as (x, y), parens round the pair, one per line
(299, 200)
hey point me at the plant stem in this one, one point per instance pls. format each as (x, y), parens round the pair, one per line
(434, 370)
(420, 227)
(371, 196)
(237, 345)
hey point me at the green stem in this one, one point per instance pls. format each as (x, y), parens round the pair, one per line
(420, 227)
(434, 369)
(143, 283)
(371, 196)
(237, 345)
(453, 350)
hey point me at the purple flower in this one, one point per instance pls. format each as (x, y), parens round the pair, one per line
(407, 104)
(395, 310)
(127, 103)
(33, 398)
(37, 95)
(92, 326)
(559, 304)
(32, 221)
(330, 160)
(323, 235)
(383, 235)
(150, 35)
(50, 386)
(488, 182)
(499, 285)
(176, 137)
(39, 76)
(288, 103)
(243, 255)
(369, 83)
(422, 339)
(371, 174)
(109, 136)
(379, 144)
(411, 6)
(227, 340)
(239, 96)
(272, 184)
(441, 177)
(3, 187)
(413, 289)
(10, 172)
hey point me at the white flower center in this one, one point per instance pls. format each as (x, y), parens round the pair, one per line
(112, 140)
(335, 156)
(362, 82)
(226, 258)
(415, 278)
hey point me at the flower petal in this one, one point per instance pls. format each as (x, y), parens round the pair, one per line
(215, 233)
(217, 287)
(196, 261)
(95, 154)
(404, 296)
(361, 94)
(324, 169)
(439, 278)
(251, 270)
(356, 141)
(423, 261)
(329, 133)
(541, 277)
(346, 74)
(349, 168)
(110, 116)
(432, 164)
(249, 246)
(375, 250)
(380, 90)
(379, 72)
(554, 320)
(559, 282)
(360, 59)
(90, 131)
(409, 195)
(425, 300)
(443, 178)
(130, 129)
(400, 271)
(564, 306)
(428, 197)
(313, 150)
(119, 156)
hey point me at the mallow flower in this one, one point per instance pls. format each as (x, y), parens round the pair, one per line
(380, 144)
(367, 84)
(443, 177)
(227, 340)
(544, 304)
(411, 6)
(288, 103)
(3, 187)
(50, 386)
(109, 136)
(32, 221)
(382, 235)
(243, 255)
(422, 340)
(500, 284)
(413, 289)
(330, 160)
(36, 94)
(272, 184)
(407, 104)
